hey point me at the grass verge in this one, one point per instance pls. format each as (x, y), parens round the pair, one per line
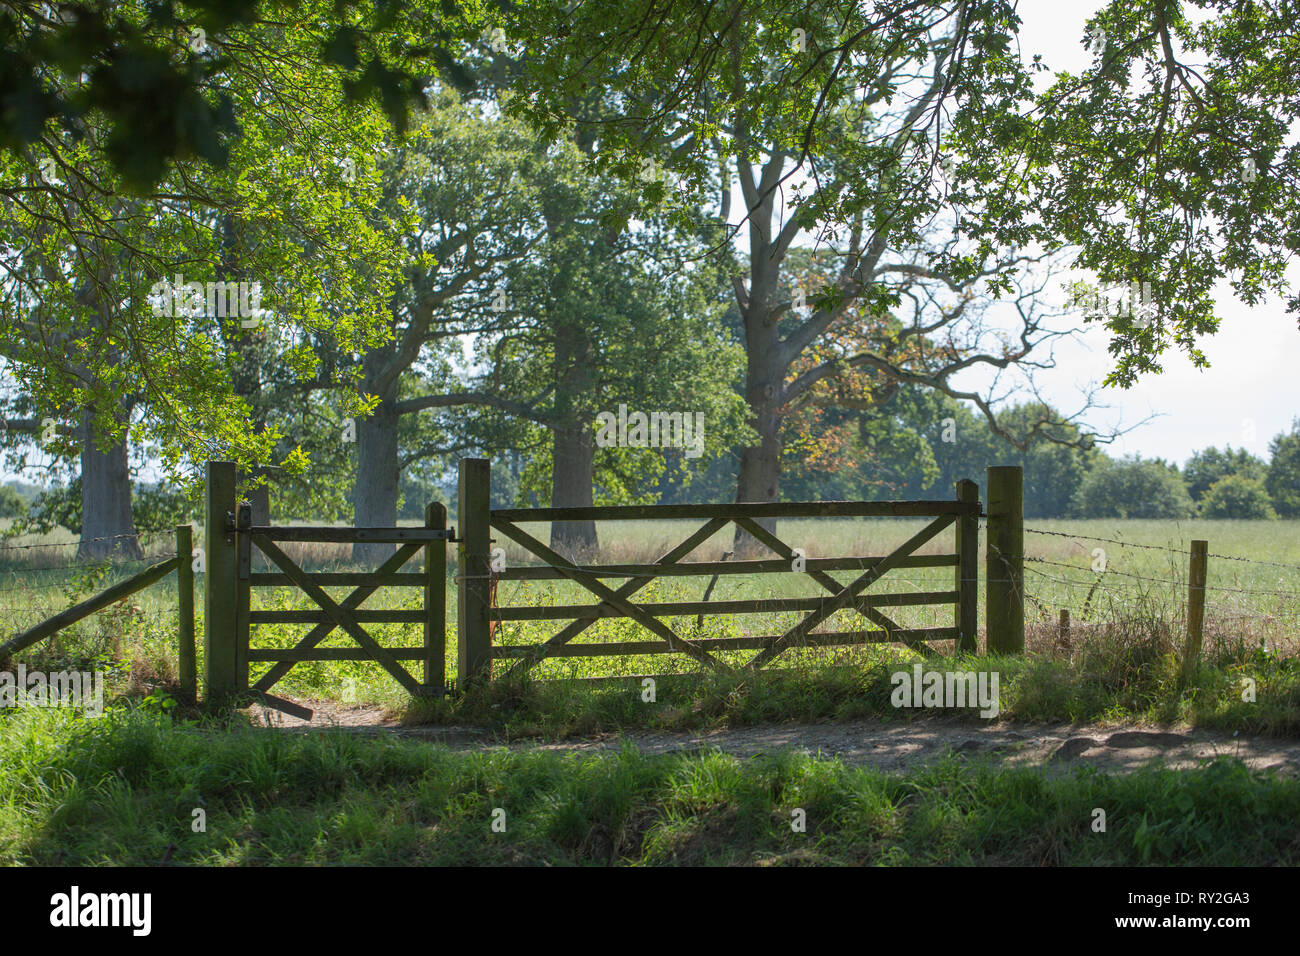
(124, 790)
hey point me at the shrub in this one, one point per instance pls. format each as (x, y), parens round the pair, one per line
(1237, 497)
(1133, 488)
(12, 504)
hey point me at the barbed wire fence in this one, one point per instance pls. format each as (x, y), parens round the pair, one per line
(1054, 586)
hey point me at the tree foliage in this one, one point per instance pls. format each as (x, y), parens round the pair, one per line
(1133, 487)
(151, 73)
(1283, 479)
(1237, 496)
(1210, 465)
(1171, 159)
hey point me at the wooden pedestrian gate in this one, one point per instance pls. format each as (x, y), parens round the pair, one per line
(228, 661)
(230, 581)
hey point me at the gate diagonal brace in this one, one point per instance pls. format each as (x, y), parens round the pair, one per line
(341, 615)
(850, 591)
(574, 628)
(323, 630)
(592, 584)
(889, 626)
(279, 703)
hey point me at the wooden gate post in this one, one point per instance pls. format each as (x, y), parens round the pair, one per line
(221, 657)
(968, 572)
(185, 655)
(473, 587)
(435, 603)
(1004, 561)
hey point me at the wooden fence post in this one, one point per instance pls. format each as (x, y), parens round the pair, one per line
(967, 574)
(221, 658)
(435, 603)
(1063, 628)
(186, 658)
(1196, 576)
(473, 588)
(1004, 561)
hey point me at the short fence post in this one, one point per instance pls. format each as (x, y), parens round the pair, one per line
(1196, 576)
(473, 588)
(1063, 628)
(186, 658)
(968, 530)
(221, 658)
(435, 603)
(1004, 561)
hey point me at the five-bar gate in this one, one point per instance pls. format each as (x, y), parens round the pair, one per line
(475, 583)
(229, 650)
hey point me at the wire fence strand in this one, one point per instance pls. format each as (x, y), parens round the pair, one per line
(1158, 547)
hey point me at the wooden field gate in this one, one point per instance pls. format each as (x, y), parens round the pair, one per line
(230, 580)
(478, 613)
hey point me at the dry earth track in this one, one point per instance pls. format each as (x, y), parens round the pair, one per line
(896, 745)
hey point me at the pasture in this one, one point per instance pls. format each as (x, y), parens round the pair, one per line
(122, 790)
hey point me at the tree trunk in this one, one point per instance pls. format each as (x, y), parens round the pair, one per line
(573, 469)
(760, 476)
(259, 500)
(572, 479)
(378, 484)
(760, 465)
(107, 528)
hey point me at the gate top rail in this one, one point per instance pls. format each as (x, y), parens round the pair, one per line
(758, 509)
(347, 535)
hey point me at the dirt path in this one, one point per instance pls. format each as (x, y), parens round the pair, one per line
(887, 746)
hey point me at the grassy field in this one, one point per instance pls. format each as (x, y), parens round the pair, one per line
(1253, 605)
(1250, 605)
